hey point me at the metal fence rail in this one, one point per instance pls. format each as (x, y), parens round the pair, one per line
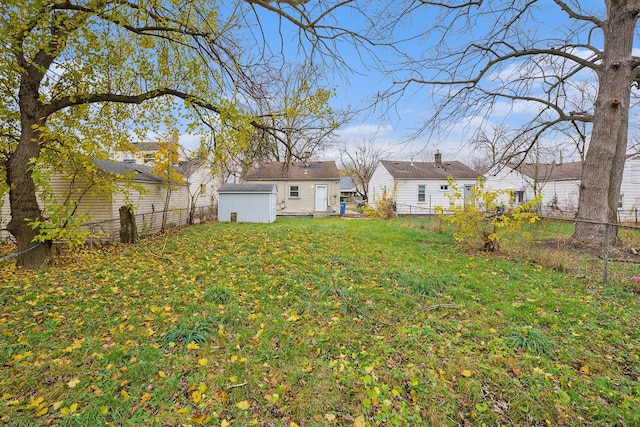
(147, 223)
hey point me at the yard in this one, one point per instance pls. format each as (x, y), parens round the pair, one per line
(315, 323)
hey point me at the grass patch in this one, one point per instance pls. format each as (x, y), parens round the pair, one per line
(532, 340)
(315, 322)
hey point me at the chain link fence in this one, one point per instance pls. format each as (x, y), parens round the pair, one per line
(549, 243)
(148, 223)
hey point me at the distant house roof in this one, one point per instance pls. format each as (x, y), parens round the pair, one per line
(141, 172)
(146, 146)
(550, 171)
(247, 188)
(429, 170)
(277, 171)
(347, 184)
(188, 167)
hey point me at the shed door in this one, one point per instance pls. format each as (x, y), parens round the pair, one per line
(321, 197)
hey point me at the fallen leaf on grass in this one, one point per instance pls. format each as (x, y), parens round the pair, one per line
(244, 405)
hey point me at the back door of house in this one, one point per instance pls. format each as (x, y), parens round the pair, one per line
(321, 197)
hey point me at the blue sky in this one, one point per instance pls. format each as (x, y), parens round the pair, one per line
(395, 128)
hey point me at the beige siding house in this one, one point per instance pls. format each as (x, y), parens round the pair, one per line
(147, 196)
(309, 188)
(417, 188)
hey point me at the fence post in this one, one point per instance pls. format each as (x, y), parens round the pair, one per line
(606, 253)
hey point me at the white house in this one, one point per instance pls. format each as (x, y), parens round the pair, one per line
(247, 203)
(417, 188)
(308, 188)
(629, 202)
(558, 183)
(202, 189)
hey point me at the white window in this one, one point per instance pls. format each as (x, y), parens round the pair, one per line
(635, 175)
(422, 193)
(294, 191)
(444, 187)
(620, 200)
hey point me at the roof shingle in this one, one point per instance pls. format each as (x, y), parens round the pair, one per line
(294, 171)
(429, 170)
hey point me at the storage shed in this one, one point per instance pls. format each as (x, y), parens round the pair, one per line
(247, 203)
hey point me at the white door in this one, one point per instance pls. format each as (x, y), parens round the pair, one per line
(469, 197)
(321, 197)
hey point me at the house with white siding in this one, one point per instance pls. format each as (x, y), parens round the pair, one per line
(202, 189)
(307, 188)
(629, 202)
(417, 188)
(557, 183)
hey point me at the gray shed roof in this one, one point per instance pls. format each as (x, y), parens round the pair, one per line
(247, 188)
(429, 170)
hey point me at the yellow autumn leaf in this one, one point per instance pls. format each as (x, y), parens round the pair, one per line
(73, 408)
(224, 423)
(145, 398)
(196, 396)
(202, 387)
(115, 289)
(293, 424)
(125, 395)
(192, 346)
(41, 411)
(359, 421)
(199, 418)
(234, 358)
(244, 405)
(73, 383)
(64, 411)
(104, 410)
(585, 369)
(203, 361)
(466, 373)
(6, 396)
(57, 405)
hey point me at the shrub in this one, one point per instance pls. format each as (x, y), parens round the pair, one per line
(384, 207)
(485, 219)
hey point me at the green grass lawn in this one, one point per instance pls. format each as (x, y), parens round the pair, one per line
(313, 323)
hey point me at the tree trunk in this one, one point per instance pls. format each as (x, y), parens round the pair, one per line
(22, 189)
(604, 162)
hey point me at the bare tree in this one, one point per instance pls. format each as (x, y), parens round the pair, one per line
(497, 145)
(360, 161)
(297, 106)
(518, 58)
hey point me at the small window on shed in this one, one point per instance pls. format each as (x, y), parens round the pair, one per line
(203, 189)
(620, 200)
(294, 191)
(422, 193)
(444, 187)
